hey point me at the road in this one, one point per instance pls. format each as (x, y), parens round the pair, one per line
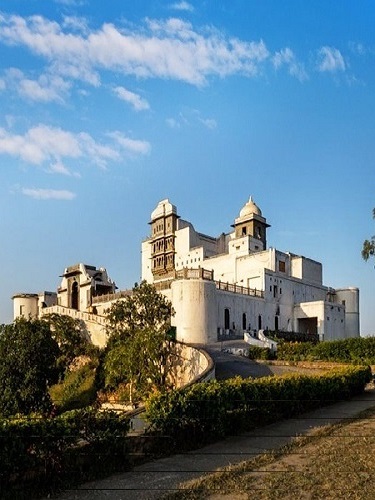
(229, 365)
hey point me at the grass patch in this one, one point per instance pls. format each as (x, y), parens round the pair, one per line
(337, 461)
(77, 390)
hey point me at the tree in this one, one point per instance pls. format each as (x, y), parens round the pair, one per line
(68, 333)
(144, 309)
(139, 345)
(28, 355)
(368, 249)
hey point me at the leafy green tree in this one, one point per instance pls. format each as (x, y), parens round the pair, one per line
(144, 309)
(368, 249)
(139, 345)
(70, 336)
(28, 355)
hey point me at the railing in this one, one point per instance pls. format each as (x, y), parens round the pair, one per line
(110, 296)
(185, 274)
(73, 313)
(233, 288)
(206, 274)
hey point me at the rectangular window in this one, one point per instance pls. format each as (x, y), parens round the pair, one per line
(281, 266)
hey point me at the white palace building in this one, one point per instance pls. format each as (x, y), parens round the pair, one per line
(218, 287)
(234, 283)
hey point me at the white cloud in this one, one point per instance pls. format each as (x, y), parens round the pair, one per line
(45, 89)
(59, 168)
(182, 6)
(330, 59)
(131, 145)
(2, 84)
(173, 123)
(78, 24)
(169, 49)
(48, 194)
(138, 103)
(210, 123)
(286, 57)
(43, 144)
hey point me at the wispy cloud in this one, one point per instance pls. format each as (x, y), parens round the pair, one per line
(48, 194)
(132, 146)
(190, 117)
(47, 88)
(138, 103)
(185, 6)
(330, 60)
(286, 57)
(170, 49)
(209, 123)
(42, 145)
(60, 168)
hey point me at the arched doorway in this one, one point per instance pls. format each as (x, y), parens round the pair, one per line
(75, 295)
(226, 319)
(244, 322)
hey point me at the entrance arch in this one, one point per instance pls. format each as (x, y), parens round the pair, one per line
(226, 319)
(244, 321)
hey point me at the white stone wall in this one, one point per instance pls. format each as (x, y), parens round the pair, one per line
(195, 316)
(350, 298)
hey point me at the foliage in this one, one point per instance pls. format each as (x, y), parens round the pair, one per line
(368, 249)
(144, 309)
(77, 390)
(360, 350)
(293, 336)
(256, 352)
(28, 355)
(68, 333)
(214, 409)
(46, 450)
(139, 341)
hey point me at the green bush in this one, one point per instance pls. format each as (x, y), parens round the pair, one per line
(37, 454)
(214, 409)
(359, 350)
(256, 352)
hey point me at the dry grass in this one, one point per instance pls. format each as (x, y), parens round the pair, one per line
(337, 461)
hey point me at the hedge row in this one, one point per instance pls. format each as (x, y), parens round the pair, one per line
(215, 409)
(39, 454)
(355, 350)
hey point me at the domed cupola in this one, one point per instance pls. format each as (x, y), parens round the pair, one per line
(250, 222)
(250, 208)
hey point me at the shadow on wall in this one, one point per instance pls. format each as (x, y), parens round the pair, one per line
(189, 365)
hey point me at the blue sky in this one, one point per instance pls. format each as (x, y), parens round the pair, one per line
(109, 107)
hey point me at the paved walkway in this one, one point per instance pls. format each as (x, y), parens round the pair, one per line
(154, 479)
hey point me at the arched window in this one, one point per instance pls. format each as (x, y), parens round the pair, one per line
(259, 322)
(276, 323)
(75, 295)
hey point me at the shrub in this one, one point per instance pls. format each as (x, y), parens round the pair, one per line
(256, 352)
(214, 409)
(36, 454)
(359, 350)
